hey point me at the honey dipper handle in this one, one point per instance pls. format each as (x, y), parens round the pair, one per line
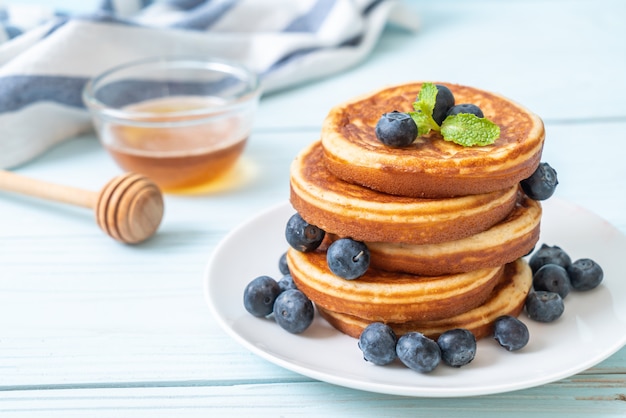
(16, 183)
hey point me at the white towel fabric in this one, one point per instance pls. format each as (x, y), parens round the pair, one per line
(46, 58)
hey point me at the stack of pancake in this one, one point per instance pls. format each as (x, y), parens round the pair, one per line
(446, 225)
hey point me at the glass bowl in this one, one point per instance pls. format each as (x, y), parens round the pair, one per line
(183, 122)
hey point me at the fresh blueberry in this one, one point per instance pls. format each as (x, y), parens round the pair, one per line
(443, 103)
(544, 306)
(378, 344)
(259, 296)
(547, 254)
(542, 183)
(552, 278)
(396, 129)
(286, 282)
(348, 258)
(465, 108)
(585, 274)
(301, 235)
(458, 347)
(283, 267)
(510, 332)
(293, 311)
(418, 352)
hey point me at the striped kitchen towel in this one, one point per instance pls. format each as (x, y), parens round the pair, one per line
(47, 57)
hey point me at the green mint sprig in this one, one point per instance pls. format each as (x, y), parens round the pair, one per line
(469, 130)
(465, 129)
(423, 109)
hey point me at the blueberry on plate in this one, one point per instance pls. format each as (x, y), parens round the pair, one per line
(544, 306)
(547, 254)
(585, 274)
(301, 235)
(347, 258)
(418, 352)
(286, 282)
(542, 183)
(458, 347)
(465, 108)
(283, 267)
(396, 129)
(293, 311)
(444, 101)
(378, 344)
(259, 296)
(510, 332)
(552, 278)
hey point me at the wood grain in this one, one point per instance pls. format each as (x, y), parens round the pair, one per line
(92, 328)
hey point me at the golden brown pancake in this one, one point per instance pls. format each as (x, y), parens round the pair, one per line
(350, 210)
(503, 243)
(431, 167)
(507, 298)
(388, 296)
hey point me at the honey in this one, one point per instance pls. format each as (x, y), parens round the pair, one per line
(175, 144)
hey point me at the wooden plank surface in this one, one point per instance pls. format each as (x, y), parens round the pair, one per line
(89, 327)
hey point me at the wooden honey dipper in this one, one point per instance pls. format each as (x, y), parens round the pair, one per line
(128, 208)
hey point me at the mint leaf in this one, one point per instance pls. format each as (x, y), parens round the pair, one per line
(426, 98)
(424, 122)
(469, 130)
(423, 109)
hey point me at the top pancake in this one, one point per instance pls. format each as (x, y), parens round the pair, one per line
(431, 167)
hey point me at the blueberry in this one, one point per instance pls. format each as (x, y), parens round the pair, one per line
(510, 332)
(544, 306)
(443, 103)
(301, 235)
(283, 267)
(259, 296)
(348, 258)
(465, 108)
(458, 347)
(585, 274)
(286, 282)
(552, 278)
(396, 129)
(378, 344)
(549, 255)
(293, 311)
(542, 183)
(418, 352)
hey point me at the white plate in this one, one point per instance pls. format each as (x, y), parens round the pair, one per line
(592, 328)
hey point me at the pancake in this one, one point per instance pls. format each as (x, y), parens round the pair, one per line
(350, 210)
(431, 167)
(387, 296)
(507, 298)
(503, 243)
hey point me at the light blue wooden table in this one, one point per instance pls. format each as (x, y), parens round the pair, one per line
(92, 328)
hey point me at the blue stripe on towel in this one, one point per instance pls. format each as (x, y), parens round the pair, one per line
(205, 15)
(109, 5)
(18, 91)
(12, 31)
(185, 4)
(126, 92)
(293, 55)
(313, 19)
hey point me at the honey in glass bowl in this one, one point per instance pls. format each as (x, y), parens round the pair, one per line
(181, 121)
(173, 147)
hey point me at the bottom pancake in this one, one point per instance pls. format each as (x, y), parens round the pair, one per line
(389, 296)
(507, 298)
